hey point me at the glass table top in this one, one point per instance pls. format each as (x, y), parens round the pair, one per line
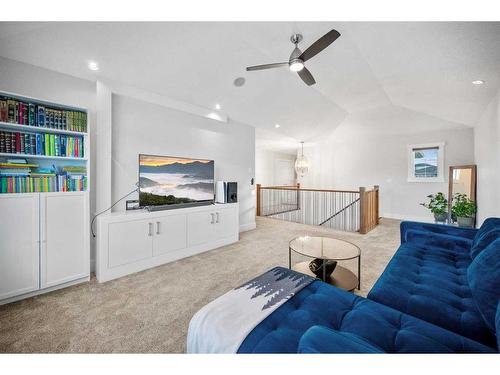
(324, 248)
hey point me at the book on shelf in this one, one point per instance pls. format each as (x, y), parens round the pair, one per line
(24, 112)
(74, 169)
(41, 144)
(14, 172)
(37, 174)
(17, 161)
(4, 112)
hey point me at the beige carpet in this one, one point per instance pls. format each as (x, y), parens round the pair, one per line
(150, 311)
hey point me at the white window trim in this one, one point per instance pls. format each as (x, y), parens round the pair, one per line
(411, 162)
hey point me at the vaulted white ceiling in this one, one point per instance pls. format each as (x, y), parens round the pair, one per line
(424, 67)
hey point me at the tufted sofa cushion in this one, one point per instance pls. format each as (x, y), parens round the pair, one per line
(319, 339)
(382, 327)
(431, 283)
(484, 279)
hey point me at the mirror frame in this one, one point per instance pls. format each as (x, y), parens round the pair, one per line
(473, 183)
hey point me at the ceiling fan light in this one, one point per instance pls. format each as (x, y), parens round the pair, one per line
(296, 66)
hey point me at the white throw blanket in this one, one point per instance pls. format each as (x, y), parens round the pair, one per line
(223, 324)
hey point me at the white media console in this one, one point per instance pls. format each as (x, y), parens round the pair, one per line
(133, 241)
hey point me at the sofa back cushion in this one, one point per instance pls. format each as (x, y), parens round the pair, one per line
(497, 325)
(487, 233)
(482, 240)
(484, 281)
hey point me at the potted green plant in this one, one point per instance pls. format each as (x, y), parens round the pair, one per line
(438, 205)
(464, 209)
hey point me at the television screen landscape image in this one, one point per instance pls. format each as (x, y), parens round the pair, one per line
(167, 180)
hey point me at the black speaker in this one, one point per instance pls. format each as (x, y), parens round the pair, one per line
(232, 192)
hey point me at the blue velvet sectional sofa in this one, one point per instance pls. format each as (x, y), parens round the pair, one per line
(440, 293)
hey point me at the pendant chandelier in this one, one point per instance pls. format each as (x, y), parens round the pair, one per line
(301, 164)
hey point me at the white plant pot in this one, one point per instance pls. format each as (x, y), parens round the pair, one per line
(440, 218)
(466, 222)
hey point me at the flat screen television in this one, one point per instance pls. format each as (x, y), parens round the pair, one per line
(171, 182)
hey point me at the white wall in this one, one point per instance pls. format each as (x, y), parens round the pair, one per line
(141, 127)
(266, 164)
(371, 149)
(487, 158)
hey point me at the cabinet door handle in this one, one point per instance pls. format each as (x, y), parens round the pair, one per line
(217, 215)
(157, 227)
(150, 233)
(213, 218)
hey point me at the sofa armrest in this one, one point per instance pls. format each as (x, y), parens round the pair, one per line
(319, 339)
(444, 241)
(467, 233)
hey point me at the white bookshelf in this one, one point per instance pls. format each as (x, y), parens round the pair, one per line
(48, 160)
(53, 241)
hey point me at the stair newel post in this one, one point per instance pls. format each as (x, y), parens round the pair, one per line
(362, 210)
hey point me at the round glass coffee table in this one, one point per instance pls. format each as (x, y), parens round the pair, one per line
(327, 248)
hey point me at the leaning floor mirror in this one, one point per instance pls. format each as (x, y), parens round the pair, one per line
(462, 181)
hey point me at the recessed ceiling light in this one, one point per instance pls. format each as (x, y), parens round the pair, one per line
(217, 106)
(478, 82)
(277, 126)
(238, 82)
(93, 66)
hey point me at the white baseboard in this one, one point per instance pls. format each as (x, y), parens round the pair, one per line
(46, 290)
(424, 219)
(247, 227)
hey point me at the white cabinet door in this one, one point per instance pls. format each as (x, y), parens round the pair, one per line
(170, 234)
(130, 242)
(226, 223)
(19, 244)
(64, 251)
(201, 227)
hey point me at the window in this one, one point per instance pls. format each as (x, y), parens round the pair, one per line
(426, 163)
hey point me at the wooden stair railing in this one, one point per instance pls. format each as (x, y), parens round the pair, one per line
(356, 210)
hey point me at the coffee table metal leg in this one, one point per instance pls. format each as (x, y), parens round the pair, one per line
(359, 272)
(289, 257)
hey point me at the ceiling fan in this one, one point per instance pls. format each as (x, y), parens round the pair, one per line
(298, 58)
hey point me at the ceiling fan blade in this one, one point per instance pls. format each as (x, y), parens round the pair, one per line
(320, 45)
(266, 66)
(306, 76)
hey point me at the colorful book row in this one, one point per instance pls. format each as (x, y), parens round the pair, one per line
(42, 184)
(41, 144)
(18, 112)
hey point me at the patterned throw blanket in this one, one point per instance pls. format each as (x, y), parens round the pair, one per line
(223, 324)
